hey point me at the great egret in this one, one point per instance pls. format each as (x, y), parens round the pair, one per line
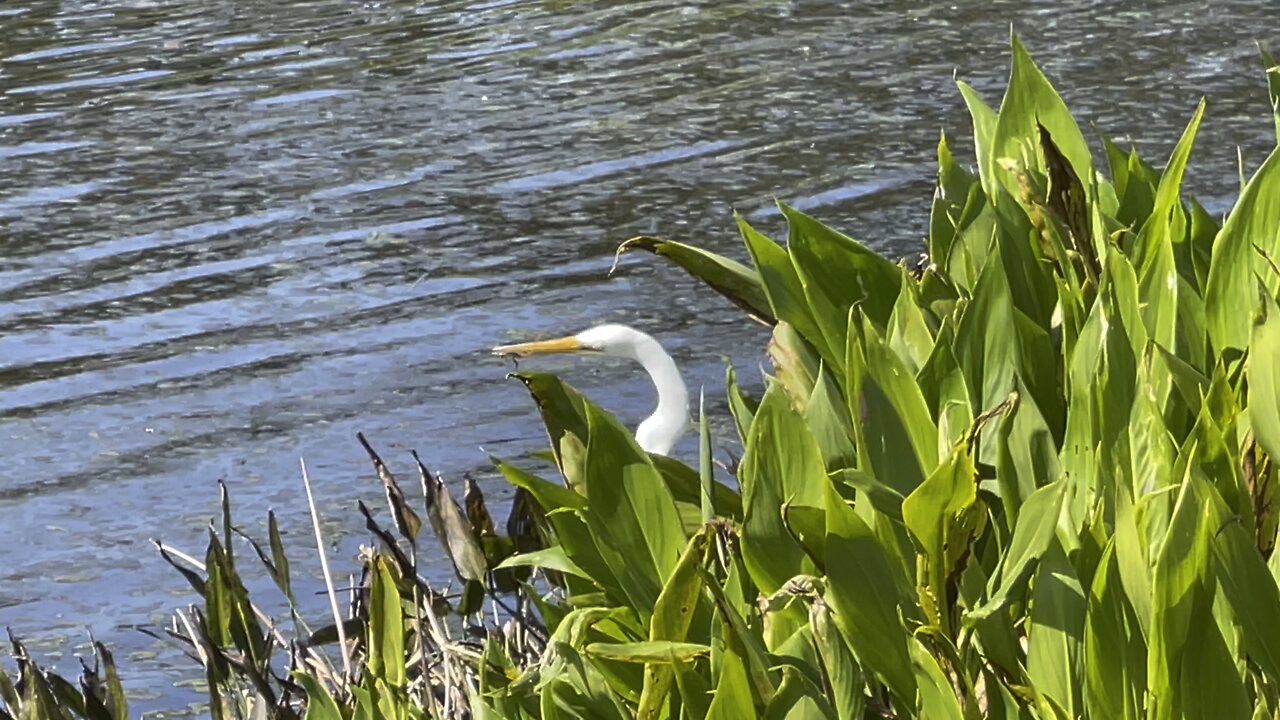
(660, 431)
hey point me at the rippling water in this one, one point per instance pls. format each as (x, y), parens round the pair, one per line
(235, 233)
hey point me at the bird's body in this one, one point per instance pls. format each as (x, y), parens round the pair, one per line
(659, 432)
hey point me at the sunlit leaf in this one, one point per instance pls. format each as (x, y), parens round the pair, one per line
(737, 282)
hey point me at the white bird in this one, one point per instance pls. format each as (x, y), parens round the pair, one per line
(659, 432)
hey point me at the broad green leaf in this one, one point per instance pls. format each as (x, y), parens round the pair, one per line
(386, 658)
(1032, 537)
(891, 420)
(1178, 576)
(737, 282)
(1115, 659)
(844, 677)
(561, 408)
(949, 201)
(940, 515)
(1211, 686)
(1029, 101)
(685, 485)
(837, 273)
(1055, 631)
(672, 614)
(551, 558)
(862, 593)
(1246, 583)
(1028, 456)
(565, 513)
(984, 127)
(1249, 238)
(796, 364)
(882, 497)
(633, 516)
(1263, 372)
(943, 386)
(732, 697)
(936, 699)
(908, 334)
(986, 349)
(320, 704)
(828, 419)
(1151, 448)
(782, 464)
(781, 284)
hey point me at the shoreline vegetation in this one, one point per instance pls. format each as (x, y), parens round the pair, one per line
(1029, 477)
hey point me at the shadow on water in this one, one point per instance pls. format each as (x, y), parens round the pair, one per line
(235, 233)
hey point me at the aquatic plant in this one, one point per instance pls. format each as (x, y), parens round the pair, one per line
(1031, 477)
(37, 692)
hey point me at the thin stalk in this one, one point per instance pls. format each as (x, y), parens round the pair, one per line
(324, 567)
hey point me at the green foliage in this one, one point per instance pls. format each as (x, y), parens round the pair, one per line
(1033, 479)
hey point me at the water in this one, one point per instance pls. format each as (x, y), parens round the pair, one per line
(233, 234)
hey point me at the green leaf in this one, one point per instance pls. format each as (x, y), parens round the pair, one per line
(386, 657)
(1273, 86)
(883, 498)
(1029, 102)
(742, 407)
(828, 419)
(896, 436)
(781, 283)
(565, 513)
(937, 699)
(1180, 570)
(551, 558)
(1263, 373)
(837, 273)
(782, 464)
(732, 698)
(672, 614)
(705, 468)
(939, 516)
(685, 485)
(986, 351)
(908, 334)
(1055, 631)
(664, 652)
(320, 704)
(1249, 238)
(984, 127)
(1246, 583)
(633, 515)
(862, 593)
(1028, 457)
(1211, 686)
(1033, 536)
(949, 201)
(1115, 654)
(737, 282)
(843, 675)
(561, 408)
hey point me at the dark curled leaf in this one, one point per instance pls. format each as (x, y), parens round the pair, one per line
(407, 521)
(477, 513)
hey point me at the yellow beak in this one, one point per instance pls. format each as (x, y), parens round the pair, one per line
(540, 347)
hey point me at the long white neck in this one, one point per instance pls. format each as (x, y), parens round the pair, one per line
(660, 431)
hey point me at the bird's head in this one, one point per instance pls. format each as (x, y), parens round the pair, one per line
(618, 340)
